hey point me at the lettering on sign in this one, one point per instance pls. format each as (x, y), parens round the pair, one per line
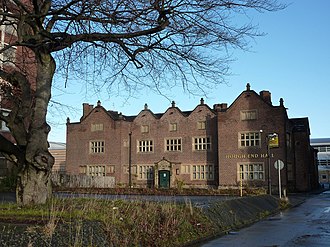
(247, 156)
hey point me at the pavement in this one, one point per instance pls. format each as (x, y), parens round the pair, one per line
(7, 197)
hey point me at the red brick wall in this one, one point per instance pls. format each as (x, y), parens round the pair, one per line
(116, 137)
(223, 126)
(270, 119)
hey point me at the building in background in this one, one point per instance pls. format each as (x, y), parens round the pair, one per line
(7, 62)
(58, 150)
(322, 145)
(224, 146)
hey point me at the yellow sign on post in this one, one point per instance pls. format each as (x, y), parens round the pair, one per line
(273, 141)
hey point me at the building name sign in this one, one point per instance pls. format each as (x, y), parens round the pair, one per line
(247, 156)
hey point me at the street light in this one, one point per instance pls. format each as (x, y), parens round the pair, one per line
(130, 160)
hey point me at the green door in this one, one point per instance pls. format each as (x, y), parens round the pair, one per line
(164, 179)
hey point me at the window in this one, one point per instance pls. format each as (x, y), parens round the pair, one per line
(145, 146)
(202, 143)
(3, 125)
(173, 145)
(290, 171)
(251, 171)
(249, 115)
(185, 169)
(8, 56)
(82, 169)
(111, 169)
(202, 172)
(97, 146)
(324, 162)
(97, 127)
(10, 26)
(323, 149)
(173, 127)
(146, 172)
(96, 170)
(250, 139)
(288, 140)
(144, 128)
(323, 176)
(201, 125)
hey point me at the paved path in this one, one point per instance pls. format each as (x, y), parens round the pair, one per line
(7, 197)
(303, 226)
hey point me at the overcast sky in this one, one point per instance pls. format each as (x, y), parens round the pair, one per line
(292, 61)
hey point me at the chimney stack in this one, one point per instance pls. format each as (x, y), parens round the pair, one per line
(87, 108)
(266, 96)
(220, 107)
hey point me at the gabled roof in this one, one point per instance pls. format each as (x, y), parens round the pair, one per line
(173, 107)
(248, 90)
(300, 124)
(202, 104)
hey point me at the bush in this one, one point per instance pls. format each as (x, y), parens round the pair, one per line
(8, 183)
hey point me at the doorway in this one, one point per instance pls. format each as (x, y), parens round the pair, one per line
(164, 179)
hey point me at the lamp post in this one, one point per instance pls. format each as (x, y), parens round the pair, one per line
(272, 142)
(130, 160)
(268, 158)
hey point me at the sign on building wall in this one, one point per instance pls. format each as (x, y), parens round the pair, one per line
(273, 140)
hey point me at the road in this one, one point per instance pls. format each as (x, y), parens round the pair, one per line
(305, 225)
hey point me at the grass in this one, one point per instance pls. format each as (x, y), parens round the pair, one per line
(97, 222)
(82, 222)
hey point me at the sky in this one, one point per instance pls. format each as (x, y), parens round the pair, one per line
(292, 61)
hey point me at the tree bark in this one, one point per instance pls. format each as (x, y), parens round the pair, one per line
(34, 177)
(33, 186)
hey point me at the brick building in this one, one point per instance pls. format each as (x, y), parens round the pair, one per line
(206, 147)
(322, 145)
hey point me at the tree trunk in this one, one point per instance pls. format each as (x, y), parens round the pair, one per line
(34, 177)
(33, 186)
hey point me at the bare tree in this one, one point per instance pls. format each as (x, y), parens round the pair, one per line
(125, 44)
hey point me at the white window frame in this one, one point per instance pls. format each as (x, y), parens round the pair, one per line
(173, 145)
(185, 169)
(173, 127)
(247, 115)
(144, 128)
(145, 172)
(201, 125)
(251, 171)
(202, 143)
(202, 172)
(97, 147)
(97, 127)
(111, 169)
(96, 170)
(145, 146)
(249, 139)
